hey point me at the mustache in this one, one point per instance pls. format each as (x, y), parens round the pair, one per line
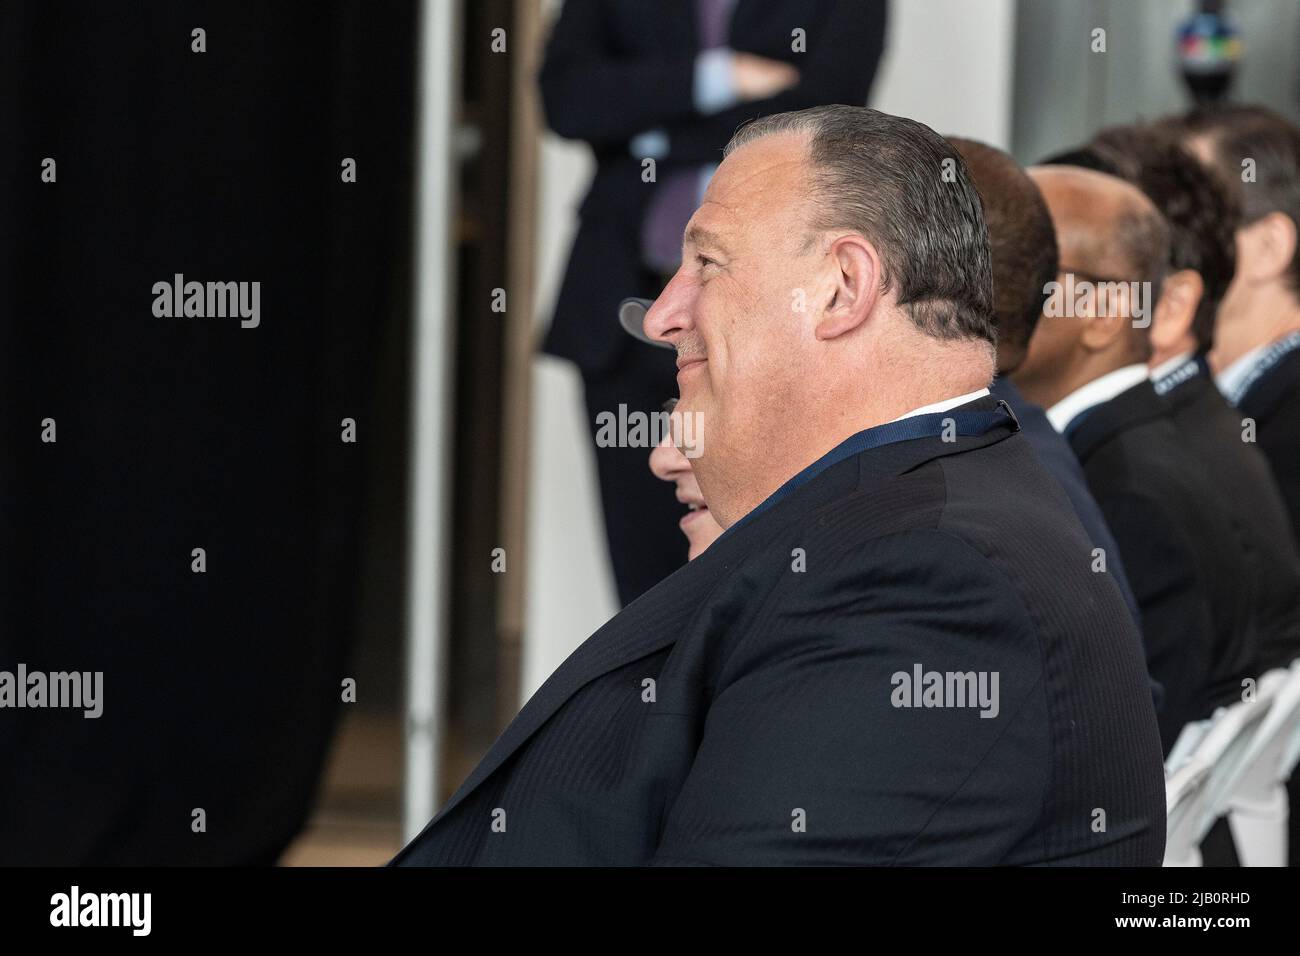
(690, 346)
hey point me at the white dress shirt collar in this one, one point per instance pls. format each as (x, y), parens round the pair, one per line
(1230, 379)
(1167, 366)
(1099, 390)
(944, 405)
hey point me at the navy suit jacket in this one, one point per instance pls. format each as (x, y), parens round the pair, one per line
(1274, 403)
(1184, 555)
(1242, 480)
(749, 709)
(1057, 457)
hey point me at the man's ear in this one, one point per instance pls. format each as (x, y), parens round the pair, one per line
(1270, 245)
(1180, 295)
(1108, 319)
(854, 281)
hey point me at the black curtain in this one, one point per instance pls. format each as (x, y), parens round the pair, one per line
(221, 689)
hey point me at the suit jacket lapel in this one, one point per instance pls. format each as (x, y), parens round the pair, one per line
(1272, 386)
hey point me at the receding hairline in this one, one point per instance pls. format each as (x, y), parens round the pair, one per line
(801, 133)
(757, 130)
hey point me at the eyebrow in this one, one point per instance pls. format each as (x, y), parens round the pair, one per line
(701, 236)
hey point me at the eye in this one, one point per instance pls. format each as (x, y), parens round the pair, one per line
(704, 261)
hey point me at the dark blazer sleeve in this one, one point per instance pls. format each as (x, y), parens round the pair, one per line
(804, 726)
(844, 51)
(592, 94)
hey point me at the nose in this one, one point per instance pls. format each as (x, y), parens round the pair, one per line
(667, 461)
(670, 316)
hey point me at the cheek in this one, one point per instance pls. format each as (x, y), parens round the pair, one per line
(690, 486)
(1048, 340)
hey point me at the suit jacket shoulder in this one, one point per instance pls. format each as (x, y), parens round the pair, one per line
(1180, 551)
(823, 691)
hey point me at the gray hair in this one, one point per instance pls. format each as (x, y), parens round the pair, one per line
(883, 176)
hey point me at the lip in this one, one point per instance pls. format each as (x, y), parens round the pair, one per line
(693, 515)
(684, 364)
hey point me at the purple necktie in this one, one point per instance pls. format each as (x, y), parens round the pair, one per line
(674, 197)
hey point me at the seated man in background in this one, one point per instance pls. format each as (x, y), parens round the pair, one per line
(667, 461)
(1256, 354)
(1022, 247)
(897, 651)
(669, 464)
(1203, 217)
(1087, 364)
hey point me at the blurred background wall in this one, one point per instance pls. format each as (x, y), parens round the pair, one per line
(1064, 91)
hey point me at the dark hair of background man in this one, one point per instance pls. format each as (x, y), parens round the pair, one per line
(1022, 244)
(1201, 212)
(1237, 134)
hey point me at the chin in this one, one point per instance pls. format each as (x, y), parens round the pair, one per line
(699, 541)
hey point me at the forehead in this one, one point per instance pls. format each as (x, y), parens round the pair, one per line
(759, 184)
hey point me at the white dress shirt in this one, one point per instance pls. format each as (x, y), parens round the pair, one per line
(1164, 368)
(944, 405)
(1230, 379)
(1094, 393)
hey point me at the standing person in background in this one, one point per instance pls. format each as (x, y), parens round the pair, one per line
(668, 82)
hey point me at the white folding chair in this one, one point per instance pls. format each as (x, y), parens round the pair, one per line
(1220, 751)
(1258, 807)
(1189, 738)
(1184, 794)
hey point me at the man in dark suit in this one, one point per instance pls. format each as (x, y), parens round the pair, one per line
(1256, 354)
(1257, 328)
(1203, 216)
(1022, 249)
(656, 90)
(1087, 364)
(897, 651)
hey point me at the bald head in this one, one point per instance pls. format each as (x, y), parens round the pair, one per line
(1114, 250)
(1106, 228)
